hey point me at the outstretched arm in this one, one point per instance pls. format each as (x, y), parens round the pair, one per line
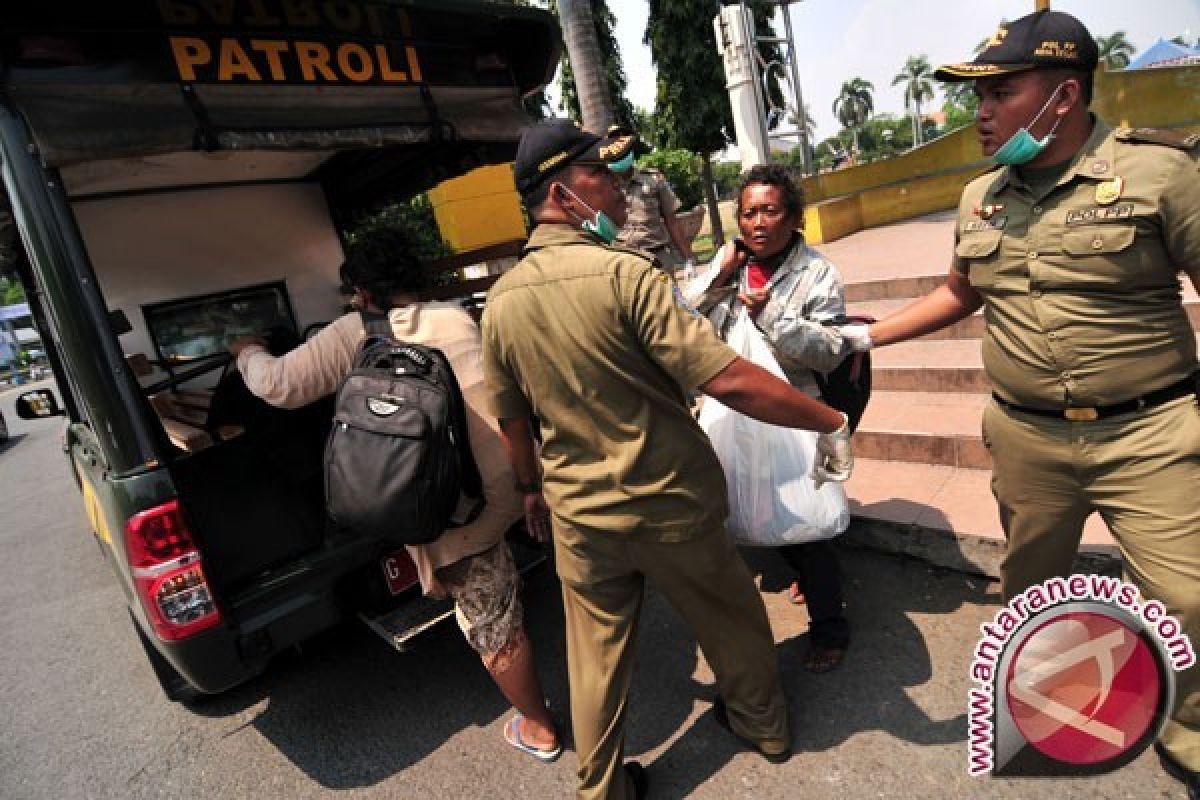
(746, 387)
(954, 300)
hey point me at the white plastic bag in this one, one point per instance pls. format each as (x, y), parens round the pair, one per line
(772, 498)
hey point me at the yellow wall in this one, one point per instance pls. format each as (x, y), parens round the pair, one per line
(931, 177)
(479, 209)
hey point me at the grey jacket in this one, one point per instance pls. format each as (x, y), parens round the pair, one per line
(806, 294)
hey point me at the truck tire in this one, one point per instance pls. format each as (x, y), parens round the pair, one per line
(174, 686)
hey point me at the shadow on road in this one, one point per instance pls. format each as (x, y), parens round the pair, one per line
(13, 440)
(351, 712)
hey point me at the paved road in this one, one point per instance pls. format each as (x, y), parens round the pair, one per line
(82, 717)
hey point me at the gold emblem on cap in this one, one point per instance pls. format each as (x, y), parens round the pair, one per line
(997, 37)
(1109, 192)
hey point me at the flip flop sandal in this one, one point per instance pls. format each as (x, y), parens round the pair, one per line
(512, 735)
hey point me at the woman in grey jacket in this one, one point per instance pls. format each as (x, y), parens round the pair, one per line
(795, 297)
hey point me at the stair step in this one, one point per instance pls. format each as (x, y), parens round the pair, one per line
(946, 515)
(924, 427)
(949, 365)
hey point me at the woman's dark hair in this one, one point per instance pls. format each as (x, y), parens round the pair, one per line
(778, 176)
(380, 263)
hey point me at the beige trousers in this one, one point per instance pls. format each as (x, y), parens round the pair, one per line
(707, 582)
(1141, 473)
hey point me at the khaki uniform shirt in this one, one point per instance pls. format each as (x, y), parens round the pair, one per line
(647, 197)
(1081, 289)
(317, 367)
(596, 342)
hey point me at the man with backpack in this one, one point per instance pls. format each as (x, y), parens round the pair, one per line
(592, 340)
(795, 298)
(471, 563)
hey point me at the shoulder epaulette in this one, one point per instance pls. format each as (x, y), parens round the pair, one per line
(1181, 140)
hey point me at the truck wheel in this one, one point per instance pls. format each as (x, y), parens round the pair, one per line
(174, 686)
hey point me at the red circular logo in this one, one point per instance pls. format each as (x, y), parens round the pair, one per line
(1083, 688)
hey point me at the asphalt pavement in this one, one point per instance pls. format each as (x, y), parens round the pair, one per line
(82, 716)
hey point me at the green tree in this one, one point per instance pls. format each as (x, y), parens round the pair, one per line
(854, 105)
(412, 217)
(917, 79)
(588, 72)
(692, 105)
(1116, 50)
(683, 171)
(612, 68)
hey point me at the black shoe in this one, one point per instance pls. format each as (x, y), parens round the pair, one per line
(1189, 778)
(639, 779)
(721, 715)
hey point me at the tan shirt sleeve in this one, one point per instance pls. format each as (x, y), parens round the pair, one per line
(506, 399)
(308, 373)
(680, 341)
(1181, 216)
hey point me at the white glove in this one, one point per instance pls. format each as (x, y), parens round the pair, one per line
(858, 336)
(834, 460)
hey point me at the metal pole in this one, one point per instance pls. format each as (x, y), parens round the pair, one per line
(759, 99)
(801, 126)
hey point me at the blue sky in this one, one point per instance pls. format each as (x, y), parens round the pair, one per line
(840, 39)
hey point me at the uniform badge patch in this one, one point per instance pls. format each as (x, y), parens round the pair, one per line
(1110, 213)
(993, 223)
(1099, 167)
(988, 211)
(1108, 192)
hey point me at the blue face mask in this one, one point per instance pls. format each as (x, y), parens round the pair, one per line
(1021, 147)
(624, 165)
(600, 225)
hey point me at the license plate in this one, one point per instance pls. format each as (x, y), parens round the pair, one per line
(399, 571)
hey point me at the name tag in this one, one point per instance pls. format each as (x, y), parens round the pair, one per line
(1087, 216)
(993, 224)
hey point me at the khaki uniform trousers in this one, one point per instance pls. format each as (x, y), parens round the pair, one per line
(1141, 473)
(707, 582)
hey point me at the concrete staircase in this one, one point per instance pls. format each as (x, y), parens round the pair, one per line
(922, 479)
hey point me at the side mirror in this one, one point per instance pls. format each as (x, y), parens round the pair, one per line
(37, 404)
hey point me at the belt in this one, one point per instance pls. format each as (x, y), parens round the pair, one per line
(1075, 414)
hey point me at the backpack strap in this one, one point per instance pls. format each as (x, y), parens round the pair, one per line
(376, 324)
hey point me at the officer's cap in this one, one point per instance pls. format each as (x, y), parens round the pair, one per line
(1041, 40)
(555, 144)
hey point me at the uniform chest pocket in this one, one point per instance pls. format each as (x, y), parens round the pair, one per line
(1100, 256)
(1099, 240)
(978, 250)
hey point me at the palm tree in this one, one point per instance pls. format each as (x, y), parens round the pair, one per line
(854, 104)
(1115, 51)
(918, 86)
(579, 34)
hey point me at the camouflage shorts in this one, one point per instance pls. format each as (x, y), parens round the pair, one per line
(487, 603)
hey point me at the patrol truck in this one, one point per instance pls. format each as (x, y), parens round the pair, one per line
(182, 173)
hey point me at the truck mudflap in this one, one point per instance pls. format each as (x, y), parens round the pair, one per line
(399, 626)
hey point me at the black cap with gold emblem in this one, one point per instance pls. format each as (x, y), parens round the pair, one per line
(1041, 40)
(555, 144)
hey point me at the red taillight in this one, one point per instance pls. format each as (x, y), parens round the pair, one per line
(168, 574)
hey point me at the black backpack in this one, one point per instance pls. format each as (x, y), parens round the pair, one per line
(848, 386)
(398, 463)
